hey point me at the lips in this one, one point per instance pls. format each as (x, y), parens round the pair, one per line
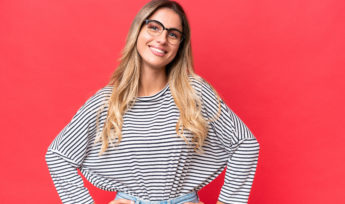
(157, 50)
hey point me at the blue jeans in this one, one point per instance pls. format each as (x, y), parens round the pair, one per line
(190, 197)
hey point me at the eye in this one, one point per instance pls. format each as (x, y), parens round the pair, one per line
(153, 27)
(174, 34)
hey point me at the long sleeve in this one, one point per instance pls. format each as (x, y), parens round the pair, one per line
(239, 143)
(67, 151)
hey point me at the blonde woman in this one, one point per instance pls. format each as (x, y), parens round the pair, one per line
(157, 133)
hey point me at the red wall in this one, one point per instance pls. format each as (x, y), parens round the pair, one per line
(278, 64)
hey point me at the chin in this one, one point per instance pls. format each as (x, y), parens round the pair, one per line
(157, 65)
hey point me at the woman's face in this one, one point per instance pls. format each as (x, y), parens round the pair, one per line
(156, 51)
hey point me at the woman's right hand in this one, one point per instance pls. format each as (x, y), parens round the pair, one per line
(121, 201)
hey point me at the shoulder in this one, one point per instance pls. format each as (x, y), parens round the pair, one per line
(197, 82)
(211, 102)
(101, 94)
(105, 91)
(202, 87)
(97, 100)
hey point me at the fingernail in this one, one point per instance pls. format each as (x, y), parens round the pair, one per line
(132, 202)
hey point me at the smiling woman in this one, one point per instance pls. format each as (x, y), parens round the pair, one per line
(157, 45)
(158, 132)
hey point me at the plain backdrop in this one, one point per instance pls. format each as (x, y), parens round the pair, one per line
(279, 65)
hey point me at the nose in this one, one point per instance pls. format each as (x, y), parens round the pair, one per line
(162, 38)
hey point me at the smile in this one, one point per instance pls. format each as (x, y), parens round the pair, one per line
(157, 51)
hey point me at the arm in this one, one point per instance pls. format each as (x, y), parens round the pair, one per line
(240, 144)
(67, 152)
(68, 183)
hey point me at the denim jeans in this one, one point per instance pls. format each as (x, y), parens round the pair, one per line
(190, 197)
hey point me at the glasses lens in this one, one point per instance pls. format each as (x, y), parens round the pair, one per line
(174, 36)
(154, 28)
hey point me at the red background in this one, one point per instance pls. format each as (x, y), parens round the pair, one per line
(278, 64)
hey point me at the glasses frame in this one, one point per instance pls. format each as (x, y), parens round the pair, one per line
(164, 28)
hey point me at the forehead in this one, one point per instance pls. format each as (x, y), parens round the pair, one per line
(168, 17)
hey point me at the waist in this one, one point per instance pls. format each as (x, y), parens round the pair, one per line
(190, 197)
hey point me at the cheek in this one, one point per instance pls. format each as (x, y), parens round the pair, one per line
(174, 52)
(144, 38)
(142, 41)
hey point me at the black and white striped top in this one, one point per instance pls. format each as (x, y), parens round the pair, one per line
(152, 162)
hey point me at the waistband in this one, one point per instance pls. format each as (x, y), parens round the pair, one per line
(190, 197)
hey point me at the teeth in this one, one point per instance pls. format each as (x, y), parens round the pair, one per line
(158, 50)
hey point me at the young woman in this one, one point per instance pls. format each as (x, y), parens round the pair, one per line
(157, 133)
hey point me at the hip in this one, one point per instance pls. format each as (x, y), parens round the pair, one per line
(190, 197)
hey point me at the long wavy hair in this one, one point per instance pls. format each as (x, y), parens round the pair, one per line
(125, 83)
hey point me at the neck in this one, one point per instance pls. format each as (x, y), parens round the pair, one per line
(151, 81)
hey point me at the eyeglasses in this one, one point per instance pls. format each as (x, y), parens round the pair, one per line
(155, 28)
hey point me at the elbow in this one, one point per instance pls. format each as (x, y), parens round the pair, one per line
(254, 146)
(49, 158)
(257, 147)
(257, 144)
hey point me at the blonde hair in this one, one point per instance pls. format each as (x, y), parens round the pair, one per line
(125, 82)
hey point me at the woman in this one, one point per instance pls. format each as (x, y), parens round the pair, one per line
(157, 132)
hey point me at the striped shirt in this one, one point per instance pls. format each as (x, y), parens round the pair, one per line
(152, 162)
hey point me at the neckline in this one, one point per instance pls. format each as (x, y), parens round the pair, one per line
(154, 96)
